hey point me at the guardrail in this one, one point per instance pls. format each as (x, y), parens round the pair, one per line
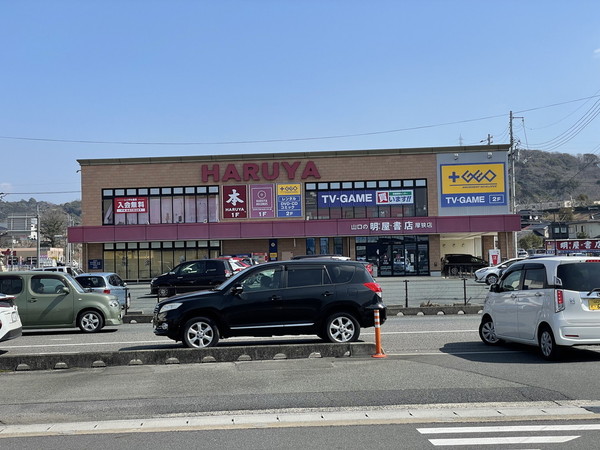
(432, 292)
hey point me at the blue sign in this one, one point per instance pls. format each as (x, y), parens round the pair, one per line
(95, 264)
(473, 199)
(365, 197)
(289, 206)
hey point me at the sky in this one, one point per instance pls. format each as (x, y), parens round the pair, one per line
(141, 78)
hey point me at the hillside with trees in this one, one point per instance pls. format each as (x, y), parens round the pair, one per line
(549, 177)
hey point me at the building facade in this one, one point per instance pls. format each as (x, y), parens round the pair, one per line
(401, 209)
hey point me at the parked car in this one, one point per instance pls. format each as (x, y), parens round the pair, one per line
(457, 263)
(236, 265)
(192, 276)
(549, 302)
(330, 298)
(106, 283)
(56, 300)
(73, 271)
(368, 265)
(521, 253)
(10, 322)
(490, 275)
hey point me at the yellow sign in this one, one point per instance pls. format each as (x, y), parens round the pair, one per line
(472, 178)
(289, 189)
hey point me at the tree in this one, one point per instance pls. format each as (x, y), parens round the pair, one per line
(53, 227)
(530, 241)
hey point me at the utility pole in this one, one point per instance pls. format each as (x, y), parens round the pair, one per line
(512, 157)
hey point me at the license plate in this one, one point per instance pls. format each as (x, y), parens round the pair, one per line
(594, 304)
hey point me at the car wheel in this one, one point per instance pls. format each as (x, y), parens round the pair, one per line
(341, 327)
(548, 348)
(200, 332)
(453, 271)
(164, 291)
(90, 321)
(491, 279)
(487, 332)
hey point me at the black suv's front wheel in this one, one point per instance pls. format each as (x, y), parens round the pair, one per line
(200, 332)
(341, 327)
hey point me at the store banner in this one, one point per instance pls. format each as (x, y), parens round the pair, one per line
(131, 205)
(364, 197)
(289, 200)
(235, 202)
(262, 203)
(465, 185)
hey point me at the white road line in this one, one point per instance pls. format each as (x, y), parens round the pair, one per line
(82, 344)
(509, 429)
(504, 440)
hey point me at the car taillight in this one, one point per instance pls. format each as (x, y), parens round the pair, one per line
(374, 287)
(560, 300)
(106, 291)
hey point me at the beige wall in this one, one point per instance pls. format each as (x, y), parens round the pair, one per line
(125, 174)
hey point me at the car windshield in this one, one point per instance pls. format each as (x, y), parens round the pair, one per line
(581, 276)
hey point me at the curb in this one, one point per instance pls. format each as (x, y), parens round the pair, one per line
(184, 356)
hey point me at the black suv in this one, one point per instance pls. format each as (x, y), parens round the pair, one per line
(191, 276)
(329, 298)
(454, 264)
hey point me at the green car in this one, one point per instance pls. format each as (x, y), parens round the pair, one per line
(56, 300)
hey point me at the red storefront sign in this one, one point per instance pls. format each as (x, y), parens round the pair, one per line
(577, 244)
(131, 205)
(235, 202)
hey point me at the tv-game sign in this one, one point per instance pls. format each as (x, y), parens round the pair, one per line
(364, 197)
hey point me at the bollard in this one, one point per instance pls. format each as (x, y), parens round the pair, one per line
(379, 351)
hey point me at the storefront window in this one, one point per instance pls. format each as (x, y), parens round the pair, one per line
(366, 199)
(163, 205)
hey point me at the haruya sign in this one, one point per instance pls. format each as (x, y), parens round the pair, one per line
(473, 185)
(364, 197)
(235, 202)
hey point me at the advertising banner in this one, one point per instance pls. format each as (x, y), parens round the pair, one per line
(289, 200)
(473, 185)
(131, 205)
(262, 203)
(235, 202)
(364, 197)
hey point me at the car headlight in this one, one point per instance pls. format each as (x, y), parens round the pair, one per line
(169, 307)
(114, 304)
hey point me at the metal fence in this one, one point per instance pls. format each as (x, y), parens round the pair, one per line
(432, 291)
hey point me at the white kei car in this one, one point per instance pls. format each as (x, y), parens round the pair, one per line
(490, 275)
(550, 302)
(10, 321)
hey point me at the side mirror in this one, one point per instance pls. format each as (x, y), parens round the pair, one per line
(495, 287)
(63, 290)
(237, 289)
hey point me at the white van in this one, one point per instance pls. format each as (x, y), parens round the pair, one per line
(550, 302)
(73, 271)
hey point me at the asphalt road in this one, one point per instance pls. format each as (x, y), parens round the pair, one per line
(436, 375)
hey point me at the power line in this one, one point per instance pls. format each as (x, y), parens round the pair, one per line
(263, 141)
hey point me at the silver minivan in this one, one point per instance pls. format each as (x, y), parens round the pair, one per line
(106, 283)
(551, 302)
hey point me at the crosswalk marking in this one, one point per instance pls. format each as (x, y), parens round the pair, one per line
(504, 440)
(509, 429)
